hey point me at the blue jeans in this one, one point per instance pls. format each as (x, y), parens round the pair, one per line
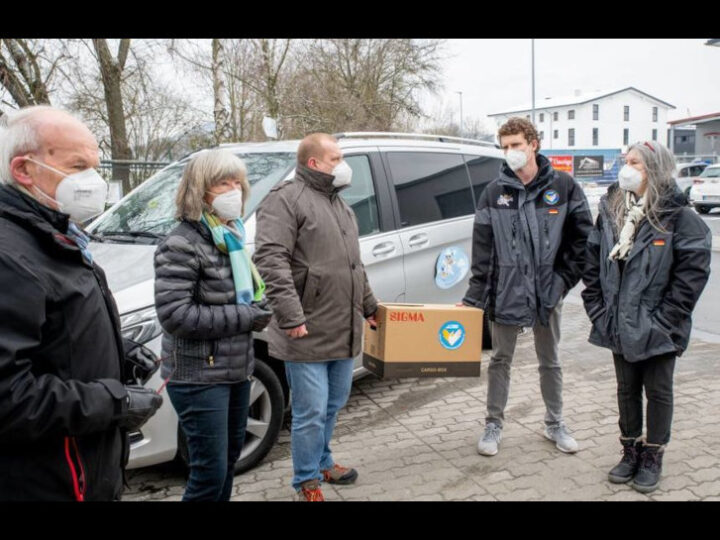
(213, 418)
(318, 391)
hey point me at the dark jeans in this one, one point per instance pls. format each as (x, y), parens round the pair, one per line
(655, 375)
(213, 418)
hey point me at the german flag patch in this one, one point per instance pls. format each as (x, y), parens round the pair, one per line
(553, 211)
(659, 242)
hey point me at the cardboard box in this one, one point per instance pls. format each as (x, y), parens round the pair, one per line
(424, 340)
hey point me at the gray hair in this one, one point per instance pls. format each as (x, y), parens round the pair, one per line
(659, 165)
(204, 171)
(19, 135)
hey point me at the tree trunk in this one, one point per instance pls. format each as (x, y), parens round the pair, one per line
(220, 109)
(111, 72)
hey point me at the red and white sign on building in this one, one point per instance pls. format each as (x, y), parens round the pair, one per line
(562, 163)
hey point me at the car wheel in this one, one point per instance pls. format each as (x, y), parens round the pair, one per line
(702, 209)
(487, 336)
(267, 408)
(265, 417)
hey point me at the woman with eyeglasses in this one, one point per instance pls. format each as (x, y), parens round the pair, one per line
(209, 300)
(647, 261)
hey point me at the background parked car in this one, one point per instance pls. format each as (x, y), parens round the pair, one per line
(705, 194)
(687, 175)
(414, 197)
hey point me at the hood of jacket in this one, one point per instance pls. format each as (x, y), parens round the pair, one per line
(671, 200)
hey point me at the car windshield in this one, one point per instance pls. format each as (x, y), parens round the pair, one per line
(147, 215)
(711, 172)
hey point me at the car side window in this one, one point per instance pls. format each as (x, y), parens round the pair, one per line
(430, 186)
(696, 170)
(360, 196)
(684, 172)
(483, 170)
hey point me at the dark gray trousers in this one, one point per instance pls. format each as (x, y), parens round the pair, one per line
(504, 338)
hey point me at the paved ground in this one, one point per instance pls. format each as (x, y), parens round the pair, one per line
(414, 439)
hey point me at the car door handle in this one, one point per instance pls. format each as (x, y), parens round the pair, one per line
(386, 248)
(418, 240)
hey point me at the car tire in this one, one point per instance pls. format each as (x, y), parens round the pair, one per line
(487, 335)
(267, 409)
(702, 209)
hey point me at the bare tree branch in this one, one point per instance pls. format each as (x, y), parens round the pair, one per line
(123, 50)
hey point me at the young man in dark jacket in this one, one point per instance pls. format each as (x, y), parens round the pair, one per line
(308, 253)
(529, 237)
(64, 407)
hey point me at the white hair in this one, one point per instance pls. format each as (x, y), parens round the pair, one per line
(19, 135)
(205, 170)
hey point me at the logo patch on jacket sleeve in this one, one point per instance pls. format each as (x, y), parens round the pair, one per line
(551, 197)
(504, 200)
(659, 242)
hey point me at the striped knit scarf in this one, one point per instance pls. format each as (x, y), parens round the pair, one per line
(635, 213)
(81, 240)
(249, 286)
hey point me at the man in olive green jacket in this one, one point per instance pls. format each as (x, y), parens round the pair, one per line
(307, 252)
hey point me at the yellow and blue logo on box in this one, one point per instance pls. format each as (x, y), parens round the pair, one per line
(452, 335)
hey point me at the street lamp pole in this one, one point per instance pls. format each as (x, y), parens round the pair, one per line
(461, 115)
(532, 49)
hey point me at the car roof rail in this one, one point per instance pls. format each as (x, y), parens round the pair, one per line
(423, 136)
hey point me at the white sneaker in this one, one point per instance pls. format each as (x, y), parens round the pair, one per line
(563, 440)
(488, 445)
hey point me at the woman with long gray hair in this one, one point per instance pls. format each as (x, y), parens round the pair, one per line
(647, 261)
(209, 299)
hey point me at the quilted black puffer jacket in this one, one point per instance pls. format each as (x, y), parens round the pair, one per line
(207, 337)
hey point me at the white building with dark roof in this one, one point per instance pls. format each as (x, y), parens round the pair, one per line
(596, 120)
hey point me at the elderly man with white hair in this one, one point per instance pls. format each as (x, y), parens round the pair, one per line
(65, 409)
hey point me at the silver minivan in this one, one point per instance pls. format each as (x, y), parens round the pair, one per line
(414, 198)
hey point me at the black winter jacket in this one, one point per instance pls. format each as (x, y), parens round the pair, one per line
(645, 311)
(207, 337)
(60, 363)
(528, 245)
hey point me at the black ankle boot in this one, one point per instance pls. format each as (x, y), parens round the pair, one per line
(647, 478)
(628, 466)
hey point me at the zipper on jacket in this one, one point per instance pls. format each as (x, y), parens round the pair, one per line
(79, 484)
(213, 353)
(514, 232)
(547, 234)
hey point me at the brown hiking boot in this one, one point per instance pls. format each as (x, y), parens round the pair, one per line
(339, 475)
(310, 492)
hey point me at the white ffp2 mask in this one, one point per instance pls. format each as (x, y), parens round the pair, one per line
(516, 159)
(228, 205)
(630, 178)
(82, 195)
(342, 173)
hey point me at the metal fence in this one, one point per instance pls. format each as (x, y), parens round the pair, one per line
(139, 170)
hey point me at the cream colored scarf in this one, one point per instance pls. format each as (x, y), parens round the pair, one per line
(635, 214)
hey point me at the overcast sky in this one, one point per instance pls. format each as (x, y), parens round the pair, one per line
(495, 75)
